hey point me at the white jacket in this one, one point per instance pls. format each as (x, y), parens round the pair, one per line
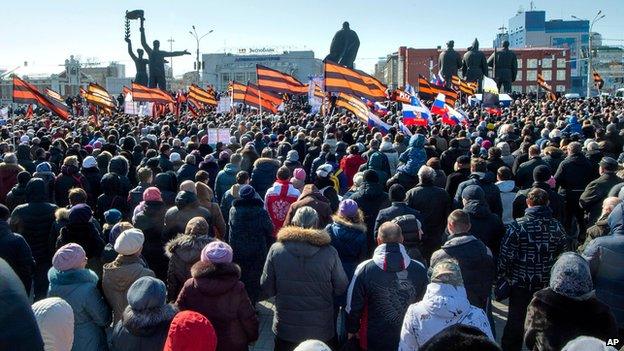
(442, 306)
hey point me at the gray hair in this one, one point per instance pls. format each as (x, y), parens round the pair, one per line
(189, 159)
(358, 179)
(426, 174)
(592, 145)
(305, 217)
(574, 147)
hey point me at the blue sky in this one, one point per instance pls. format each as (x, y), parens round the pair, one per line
(44, 33)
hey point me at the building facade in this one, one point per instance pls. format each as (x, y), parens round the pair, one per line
(553, 63)
(529, 29)
(221, 68)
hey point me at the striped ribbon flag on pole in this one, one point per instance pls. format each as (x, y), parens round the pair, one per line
(354, 105)
(27, 93)
(98, 96)
(547, 87)
(237, 92)
(142, 93)
(202, 95)
(278, 82)
(468, 88)
(430, 92)
(261, 100)
(341, 79)
(598, 81)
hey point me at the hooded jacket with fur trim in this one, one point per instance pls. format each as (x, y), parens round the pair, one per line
(304, 273)
(183, 252)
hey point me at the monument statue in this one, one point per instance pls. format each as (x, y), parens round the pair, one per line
(157, 60)
(474, 65)
(505, 65)
(140, 63)
(449, 62)
(344, 46)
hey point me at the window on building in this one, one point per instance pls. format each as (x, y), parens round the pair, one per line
(531, 63)
(519, 63)
(519, 75)
(561, 74)
(560, 88)
(547, 74)
(240, 77)
(547, 63)
(531, 76)
(561, 63)
(516, 88)
(531, 89)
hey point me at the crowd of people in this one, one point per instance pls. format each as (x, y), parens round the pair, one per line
(139, 234)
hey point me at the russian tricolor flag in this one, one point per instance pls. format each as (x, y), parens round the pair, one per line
(416, 113)
(438, 106)
(375, 122)
(453, 117)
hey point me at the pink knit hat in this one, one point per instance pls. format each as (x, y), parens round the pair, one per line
(152, 194)
(70, 256)
(204, 140)
(299, 173)
(217, 252)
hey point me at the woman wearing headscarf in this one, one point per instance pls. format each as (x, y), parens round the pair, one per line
(445, 303)
(55, 319)
(567, 308)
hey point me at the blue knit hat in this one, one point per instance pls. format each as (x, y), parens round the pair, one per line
(247, 192)
(112, 216)
(80, 213)
(473, 192)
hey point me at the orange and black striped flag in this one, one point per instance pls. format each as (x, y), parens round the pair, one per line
(237, 92)
(278, 82)
(54, 95)
(542, 83)
(355, 83)
(98, 96)
(261, 99)
(318, 92)
(598, 81)
(27, 93)
(125, 91)
(354, 105)
(142, 93)
(430, 92)
(201, 95)
(468, 88)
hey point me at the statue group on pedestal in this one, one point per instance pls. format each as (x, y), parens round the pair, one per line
(474, 65)
(156, 57)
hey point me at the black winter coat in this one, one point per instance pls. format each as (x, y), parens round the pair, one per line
(142, 330)
(573, 175)
(596, 191)
(187, 172)
(93, 177)
(250, 235)
(487, 182)
(371, 198)
(151, 221)
(556, 202)
(264, 174)
(68, 179)
(434, 204)
(166, 183)
(16, 252)
(553, 320)
(485, 225)
(33, 220)
(524, 174)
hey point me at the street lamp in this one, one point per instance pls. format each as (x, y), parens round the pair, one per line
(198, 38)
(598, 17)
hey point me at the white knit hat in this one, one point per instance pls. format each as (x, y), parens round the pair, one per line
(89, 162)
(55, 319)
(129, 242)
(174, 157)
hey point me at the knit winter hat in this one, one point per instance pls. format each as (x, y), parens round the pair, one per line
(371, 176)
(80, 213)
(147, 293)
(348, 208)
(89, 162)
(292, 156)
(224, 155)
(486, 144)
(70, 256)
(217, 252)
(188, 185)
(55, 319)
(152, 194)
(247, 192)
(299, 173)
(112, 216)
(190, 330)
(43, 167)
(312, 345)
(541, 173)
(204, 140)
(570, 277)
(447, 272)
(129, 242)
(473, 192)
(197, 226)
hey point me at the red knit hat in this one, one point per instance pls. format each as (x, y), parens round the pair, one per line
(152, 194)
(190, 331)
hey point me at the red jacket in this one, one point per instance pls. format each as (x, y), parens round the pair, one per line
(216, 292)
(350, 165)
(8, 178)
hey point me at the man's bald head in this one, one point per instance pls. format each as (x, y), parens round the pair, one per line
(389, 233)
